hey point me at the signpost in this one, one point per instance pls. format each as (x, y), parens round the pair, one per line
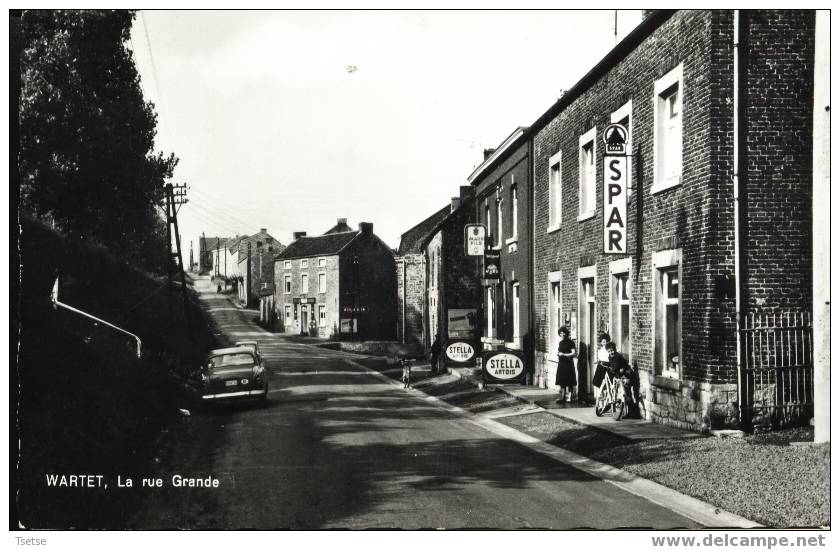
(474, 236)
(616, 178)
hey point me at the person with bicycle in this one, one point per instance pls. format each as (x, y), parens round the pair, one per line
(626, 375)
(602, 360)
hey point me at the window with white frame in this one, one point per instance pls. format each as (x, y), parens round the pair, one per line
(555, 191)
(555, 314)
(499, 223)
(287, 284)
(587, 183)
(487, 222)
(667, 312)
(514, 211)
(288, 311)
(304, 283)
(491, 312)
(304, 263)
(620, 294)
(287, 264)
(322, 262)
(322, 316)
(667, 133)
(322, 283)
(624, 116)
(515, 312)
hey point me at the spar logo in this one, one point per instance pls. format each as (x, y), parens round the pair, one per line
(505, 366)
(460, 352)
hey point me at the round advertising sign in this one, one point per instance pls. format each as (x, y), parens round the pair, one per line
(504, 366)
(460, 352)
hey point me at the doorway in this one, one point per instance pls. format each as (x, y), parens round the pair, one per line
(304, 319)
(587, 345)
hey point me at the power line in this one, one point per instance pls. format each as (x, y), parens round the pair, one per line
(226, 218)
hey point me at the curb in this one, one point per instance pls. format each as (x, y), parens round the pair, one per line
(687, 506)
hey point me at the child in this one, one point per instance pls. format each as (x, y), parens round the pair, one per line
(406, 365)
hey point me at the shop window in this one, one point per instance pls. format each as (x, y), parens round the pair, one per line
(555, 192)
(587, 183)
(322, 316)
(668, 313)
(287, 284)
(668, 125)
(322, 283)
(304, 283)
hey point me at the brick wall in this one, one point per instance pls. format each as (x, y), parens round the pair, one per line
(410, 298)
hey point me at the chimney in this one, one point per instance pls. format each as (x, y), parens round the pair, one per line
(263, 230)
(456, 202)
(366, 228)
(488, 153)
(341, 221)
(298, 234)
(467, 192)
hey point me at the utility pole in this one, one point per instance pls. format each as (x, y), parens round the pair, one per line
(216, 263)
(247, 281)
(176, 195)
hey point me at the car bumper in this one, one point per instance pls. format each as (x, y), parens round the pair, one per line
(251, 393)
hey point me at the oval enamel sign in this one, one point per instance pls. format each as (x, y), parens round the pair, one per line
(505, 366)
(460, 352)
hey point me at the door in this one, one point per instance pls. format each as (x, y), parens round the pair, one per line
(588, 335)
(304, 319)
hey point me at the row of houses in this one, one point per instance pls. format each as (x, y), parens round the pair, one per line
(710, 292)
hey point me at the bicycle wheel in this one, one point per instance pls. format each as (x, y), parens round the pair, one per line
(600, 404)
(618, 409)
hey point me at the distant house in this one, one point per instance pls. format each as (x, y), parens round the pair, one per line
(341, 284)
(209, 248)
(255, 264)
(411, 280)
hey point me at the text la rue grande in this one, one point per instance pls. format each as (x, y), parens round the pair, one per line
(94, 481)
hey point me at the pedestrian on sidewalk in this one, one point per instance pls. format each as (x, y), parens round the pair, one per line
(434, 354)
(566, 377)
(406, 376)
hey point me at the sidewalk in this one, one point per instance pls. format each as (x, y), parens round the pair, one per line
(629, 428)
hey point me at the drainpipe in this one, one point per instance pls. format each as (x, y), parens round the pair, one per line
(56, 303)
(736, 133)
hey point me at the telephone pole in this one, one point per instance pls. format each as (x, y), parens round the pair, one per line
(175, 195)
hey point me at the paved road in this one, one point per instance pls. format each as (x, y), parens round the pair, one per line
(338, 448)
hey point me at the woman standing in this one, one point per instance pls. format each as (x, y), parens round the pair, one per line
(566, 377)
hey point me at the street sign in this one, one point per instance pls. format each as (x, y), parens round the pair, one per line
(616, 170)
(492, 264)
(503, 366)
(474, 236)
(615, 139)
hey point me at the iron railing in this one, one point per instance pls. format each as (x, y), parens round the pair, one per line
(778, 370)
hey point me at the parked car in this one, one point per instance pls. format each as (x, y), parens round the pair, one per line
(233, 373)
(253, 344)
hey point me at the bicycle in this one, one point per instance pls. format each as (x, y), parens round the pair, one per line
(610, 395)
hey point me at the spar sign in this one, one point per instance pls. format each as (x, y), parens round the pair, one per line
(503, 366)
(616, 176)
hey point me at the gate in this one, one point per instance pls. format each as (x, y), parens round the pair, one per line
(778, 370)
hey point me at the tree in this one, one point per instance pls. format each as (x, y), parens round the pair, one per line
(87, 134)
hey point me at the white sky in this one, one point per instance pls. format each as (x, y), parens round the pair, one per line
(273, 130)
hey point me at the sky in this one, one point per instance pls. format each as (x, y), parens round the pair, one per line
(288, 120)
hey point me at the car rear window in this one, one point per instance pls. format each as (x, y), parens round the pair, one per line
(231, 359)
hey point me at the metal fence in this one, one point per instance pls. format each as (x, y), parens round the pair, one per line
(778, 370)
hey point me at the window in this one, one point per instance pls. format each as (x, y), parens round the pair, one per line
(322, 283)
(322, 262)
(620, 305)
(304, 283)
(491, 311)
(555, 192)
(322, 316)
(499, 226)
(287, 264)
(514, 212)
(587, 184)
(287, 284)
(667, 313)
(555, 319)
(304, 263)
(487, 222)
(624, 116)
(288, 313)
(667, 135)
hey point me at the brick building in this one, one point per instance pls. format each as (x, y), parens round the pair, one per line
(707, 119)
(452, 291)
(411, 280)
(338, 285)
(502, 185)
